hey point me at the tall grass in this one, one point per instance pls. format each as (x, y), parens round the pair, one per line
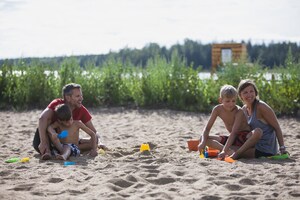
(162, 83)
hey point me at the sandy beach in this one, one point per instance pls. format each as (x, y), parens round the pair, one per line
(168, 171)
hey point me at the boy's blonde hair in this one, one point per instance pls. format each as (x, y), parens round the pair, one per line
(228, 91)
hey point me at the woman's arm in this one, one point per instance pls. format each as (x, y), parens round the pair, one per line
(268, 115)
(236, 127)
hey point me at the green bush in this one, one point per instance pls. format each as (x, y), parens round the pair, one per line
(162, 83)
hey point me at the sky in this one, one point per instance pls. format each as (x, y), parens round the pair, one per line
(49, 28)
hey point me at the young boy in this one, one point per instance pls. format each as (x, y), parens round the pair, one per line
(233, 118)
(68, 145)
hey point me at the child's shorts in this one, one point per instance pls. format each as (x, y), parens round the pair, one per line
(74, 150)
(239, 140)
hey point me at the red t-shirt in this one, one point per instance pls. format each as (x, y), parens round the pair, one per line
(81, 113)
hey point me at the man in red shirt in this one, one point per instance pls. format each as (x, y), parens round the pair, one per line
(72, 96)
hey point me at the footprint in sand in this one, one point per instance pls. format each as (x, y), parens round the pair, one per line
(131, 178)
(55, 180)
(178, 173)
(247, 181)
(23, 187)
(5, 173)
(161, 181)
(76, 192)
(294, 193)
(233, 187)
(210, 197)
(119, 184)
(150, 170)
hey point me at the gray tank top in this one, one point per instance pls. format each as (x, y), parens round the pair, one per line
(268, 141)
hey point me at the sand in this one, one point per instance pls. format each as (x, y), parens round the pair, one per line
(169, 171)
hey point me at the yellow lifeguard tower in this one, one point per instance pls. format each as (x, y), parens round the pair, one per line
(227, 53)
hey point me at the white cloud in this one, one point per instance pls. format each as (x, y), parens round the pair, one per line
(72, 27)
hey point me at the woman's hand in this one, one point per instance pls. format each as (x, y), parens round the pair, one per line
(283, 150)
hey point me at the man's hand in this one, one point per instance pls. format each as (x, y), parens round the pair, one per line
(93, 153)
(44, 148)
(45, 151)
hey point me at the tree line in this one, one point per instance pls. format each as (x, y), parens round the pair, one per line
(195, 53)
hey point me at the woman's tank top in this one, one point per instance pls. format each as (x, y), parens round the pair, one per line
(268, 141)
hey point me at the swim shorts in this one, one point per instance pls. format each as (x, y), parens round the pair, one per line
(74, 150)
(239, 140)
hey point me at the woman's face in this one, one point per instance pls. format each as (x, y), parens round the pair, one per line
(248, 95)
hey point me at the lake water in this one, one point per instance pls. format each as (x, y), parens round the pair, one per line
(202, 75)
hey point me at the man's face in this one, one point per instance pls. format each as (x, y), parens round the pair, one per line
(75, 100)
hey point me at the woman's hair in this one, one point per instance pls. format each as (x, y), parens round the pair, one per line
(245, 83)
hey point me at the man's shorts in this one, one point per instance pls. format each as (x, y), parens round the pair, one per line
(74, 150)
(239, 140)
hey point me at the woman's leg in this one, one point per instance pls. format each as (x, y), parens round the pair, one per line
(247, 150)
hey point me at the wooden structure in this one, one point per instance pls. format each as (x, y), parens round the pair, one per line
(227, 53)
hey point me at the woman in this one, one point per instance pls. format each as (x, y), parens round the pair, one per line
(260, 117)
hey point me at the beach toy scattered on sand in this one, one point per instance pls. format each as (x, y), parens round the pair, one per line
(193, 144)
(210, 152)
(101, 151)
(67, 163)
(144, 147)
(63, 134)
(229, 160)
(280, 156)
(201, 154)
(16, 159)
(12, 160)
(26, 159)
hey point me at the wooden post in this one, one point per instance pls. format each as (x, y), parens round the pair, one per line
(232, 52)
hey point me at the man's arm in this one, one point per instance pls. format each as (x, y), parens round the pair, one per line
(44, 121)
(93, 136)
(91, 126)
